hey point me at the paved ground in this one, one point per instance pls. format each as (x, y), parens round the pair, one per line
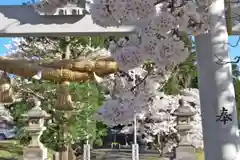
(126, 154)
(123, 155)
(12, 149)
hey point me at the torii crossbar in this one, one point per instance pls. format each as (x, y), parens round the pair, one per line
(25, 21)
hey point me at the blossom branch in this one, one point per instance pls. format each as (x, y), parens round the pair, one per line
(140, 82)
(221, 62)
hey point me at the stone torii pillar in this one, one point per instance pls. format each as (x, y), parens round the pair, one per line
(221, 141)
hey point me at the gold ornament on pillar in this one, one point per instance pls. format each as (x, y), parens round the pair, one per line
(64, 100)
(6, 93)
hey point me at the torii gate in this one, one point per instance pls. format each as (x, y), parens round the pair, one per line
(221, 141)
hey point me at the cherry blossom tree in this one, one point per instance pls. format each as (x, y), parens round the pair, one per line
(158, 42)
(157, 124)
(44, 48)
(161, 26)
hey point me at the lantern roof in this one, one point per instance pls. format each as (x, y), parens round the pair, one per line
(184, 110)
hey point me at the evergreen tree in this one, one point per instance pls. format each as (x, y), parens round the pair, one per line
(185, 76)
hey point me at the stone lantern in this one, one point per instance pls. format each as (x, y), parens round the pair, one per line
(35, 150)
(184, 114)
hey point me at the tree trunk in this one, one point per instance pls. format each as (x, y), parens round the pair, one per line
(63, 155)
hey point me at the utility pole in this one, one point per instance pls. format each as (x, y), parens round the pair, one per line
(87, 146)
(135, 147)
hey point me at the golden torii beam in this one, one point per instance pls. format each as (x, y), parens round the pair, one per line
(62, 70)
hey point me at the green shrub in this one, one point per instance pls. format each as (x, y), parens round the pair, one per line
(98, 143)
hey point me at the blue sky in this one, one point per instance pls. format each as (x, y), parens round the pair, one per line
(234, 51)
(6, 40)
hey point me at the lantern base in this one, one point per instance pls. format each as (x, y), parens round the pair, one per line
(35, 153)
(185, 153)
